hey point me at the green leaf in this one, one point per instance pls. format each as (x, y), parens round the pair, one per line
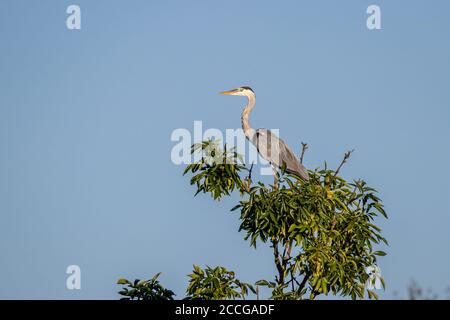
(262, 283)
(123, 281)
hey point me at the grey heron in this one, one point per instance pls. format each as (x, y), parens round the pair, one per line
(269, 146)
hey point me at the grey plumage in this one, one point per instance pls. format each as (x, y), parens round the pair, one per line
(277, 152)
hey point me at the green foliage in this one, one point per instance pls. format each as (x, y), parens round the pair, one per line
(217, 172)
(209, 284)
(144, 290)
(322, 231)
(216, 284)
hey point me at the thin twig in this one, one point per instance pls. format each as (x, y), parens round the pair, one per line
(346, 156)
(304, 148)
(302, 285)
(249, 177)
(294, 280)
(292, 283)
(314, 294)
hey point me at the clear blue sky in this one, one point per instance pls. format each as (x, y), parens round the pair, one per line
(86, 118)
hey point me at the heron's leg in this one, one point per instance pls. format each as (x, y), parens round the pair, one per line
(275, 178)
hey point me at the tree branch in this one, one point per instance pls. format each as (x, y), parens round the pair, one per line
(304, 148)
(346, 156)
(303, 283)
(278, 263)
(314, 294)
(249, 177)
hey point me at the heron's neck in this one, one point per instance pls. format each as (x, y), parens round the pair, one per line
(248, 131)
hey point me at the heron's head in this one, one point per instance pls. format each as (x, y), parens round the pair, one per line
(242, 91)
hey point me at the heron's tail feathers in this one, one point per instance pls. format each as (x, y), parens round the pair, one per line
(299, 174)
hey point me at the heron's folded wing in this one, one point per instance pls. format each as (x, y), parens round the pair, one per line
(277, 152)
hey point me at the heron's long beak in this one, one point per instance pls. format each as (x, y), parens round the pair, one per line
(229, 91)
